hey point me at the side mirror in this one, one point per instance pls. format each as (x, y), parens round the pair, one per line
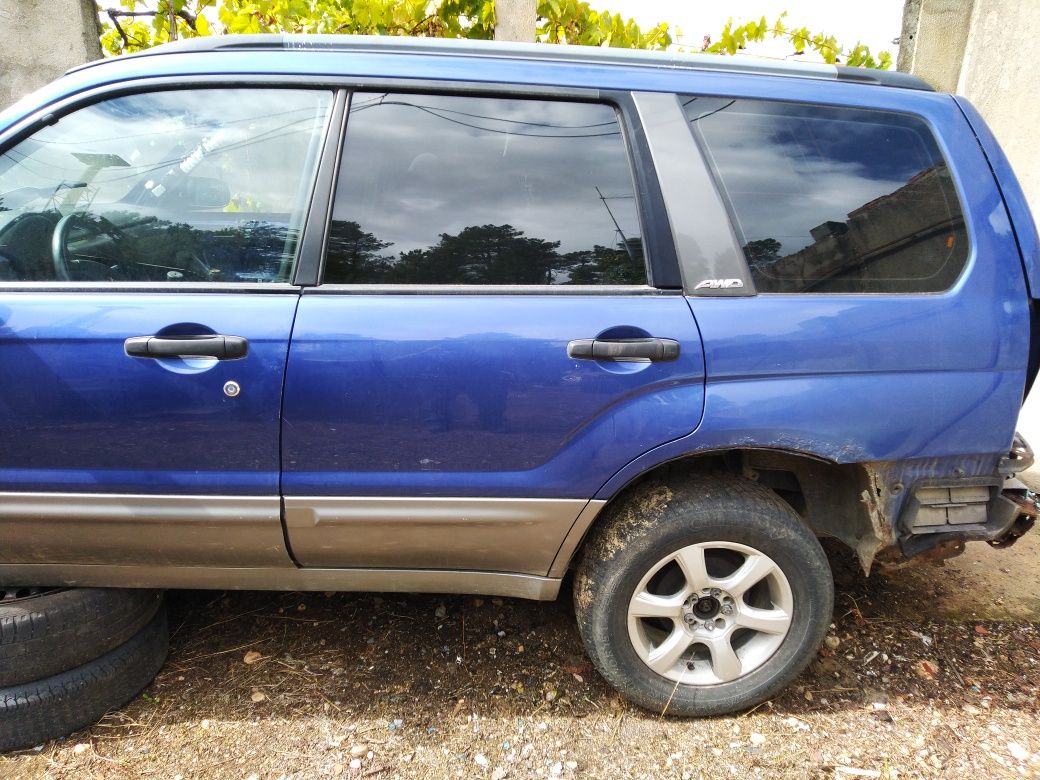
(205, 194)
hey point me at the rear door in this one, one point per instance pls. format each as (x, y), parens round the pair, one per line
(147, 245)
(499, 328)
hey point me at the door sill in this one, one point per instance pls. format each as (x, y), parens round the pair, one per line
(524, 586)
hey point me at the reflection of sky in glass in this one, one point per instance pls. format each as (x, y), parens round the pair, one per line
(258, 141)
(788, 168)
(417, 166)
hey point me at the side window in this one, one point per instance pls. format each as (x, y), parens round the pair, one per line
(202, 185)
(472, 190)
(833, 200)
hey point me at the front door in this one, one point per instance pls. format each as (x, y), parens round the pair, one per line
(486, 348)
(147, 244)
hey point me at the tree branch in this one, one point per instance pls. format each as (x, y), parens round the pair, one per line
(112, 14)
(188, 17)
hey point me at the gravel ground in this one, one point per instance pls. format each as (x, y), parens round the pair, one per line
(933, 672)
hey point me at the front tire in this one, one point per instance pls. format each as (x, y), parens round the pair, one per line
(703, 595)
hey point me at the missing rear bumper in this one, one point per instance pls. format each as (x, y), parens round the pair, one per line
(999, 517)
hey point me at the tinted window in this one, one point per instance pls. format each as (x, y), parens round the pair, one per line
(202, 185)
(465, 190)
(832, 199)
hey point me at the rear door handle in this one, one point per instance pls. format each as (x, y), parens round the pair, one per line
(654, 350)
(219, 347)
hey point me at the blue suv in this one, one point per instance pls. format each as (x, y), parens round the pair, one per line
(334, 313)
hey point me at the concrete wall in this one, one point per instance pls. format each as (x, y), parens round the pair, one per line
(986, 51)
(1001, 76)
(515, 20)
(41, 39)
(935, 35)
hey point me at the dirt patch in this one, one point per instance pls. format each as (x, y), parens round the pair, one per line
(933, 672)
(430, 687)
(641, 510)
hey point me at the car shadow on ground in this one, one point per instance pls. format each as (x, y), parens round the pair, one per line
(311, 684)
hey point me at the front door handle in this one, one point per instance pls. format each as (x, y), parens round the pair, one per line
(213, 346)
(651, 349)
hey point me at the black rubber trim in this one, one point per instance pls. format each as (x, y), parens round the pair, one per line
(311, 253)
(55, 706)
(57, 630)
(883, 78)
(663, 262)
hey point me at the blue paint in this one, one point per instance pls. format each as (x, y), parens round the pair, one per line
(1021, 217)
(474, 395)
(79, 415)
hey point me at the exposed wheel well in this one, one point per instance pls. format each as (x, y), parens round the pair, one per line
(833, 499)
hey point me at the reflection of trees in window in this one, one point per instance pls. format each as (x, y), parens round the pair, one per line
(762, 253)
(353, 255)
(621, 264)
(479, 254)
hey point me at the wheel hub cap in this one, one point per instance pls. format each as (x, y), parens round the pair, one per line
(710, 613)
(706, 607)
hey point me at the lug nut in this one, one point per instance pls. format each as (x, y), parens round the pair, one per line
(715, 592)
(689, 619)
(710, 626)
(727, 609)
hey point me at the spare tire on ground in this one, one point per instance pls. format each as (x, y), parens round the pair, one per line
(47, 631)
(35, 712)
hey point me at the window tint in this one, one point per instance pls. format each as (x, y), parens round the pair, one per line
(202, 185)
(833, 199)
(465, 190)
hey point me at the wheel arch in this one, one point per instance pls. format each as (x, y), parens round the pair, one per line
(839, 500)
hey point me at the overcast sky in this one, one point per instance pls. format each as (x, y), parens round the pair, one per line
(875, 24)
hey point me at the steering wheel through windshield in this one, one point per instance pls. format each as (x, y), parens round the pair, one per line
(100, 253)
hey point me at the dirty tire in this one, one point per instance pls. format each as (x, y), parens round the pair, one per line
(46, 709)
(48, 632)
(656, 520)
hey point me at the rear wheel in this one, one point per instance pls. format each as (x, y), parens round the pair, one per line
(703, 596)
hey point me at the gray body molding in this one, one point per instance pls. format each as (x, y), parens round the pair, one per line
(490, 534)
(153, 530)
(502, 547)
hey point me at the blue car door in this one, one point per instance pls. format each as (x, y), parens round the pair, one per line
(147, 246)
(487, 345)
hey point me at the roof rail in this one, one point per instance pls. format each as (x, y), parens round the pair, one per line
(597, 55)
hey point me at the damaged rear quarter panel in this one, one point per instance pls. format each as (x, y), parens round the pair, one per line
(883, 378)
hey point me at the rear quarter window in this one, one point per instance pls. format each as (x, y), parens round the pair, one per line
(833, 200)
